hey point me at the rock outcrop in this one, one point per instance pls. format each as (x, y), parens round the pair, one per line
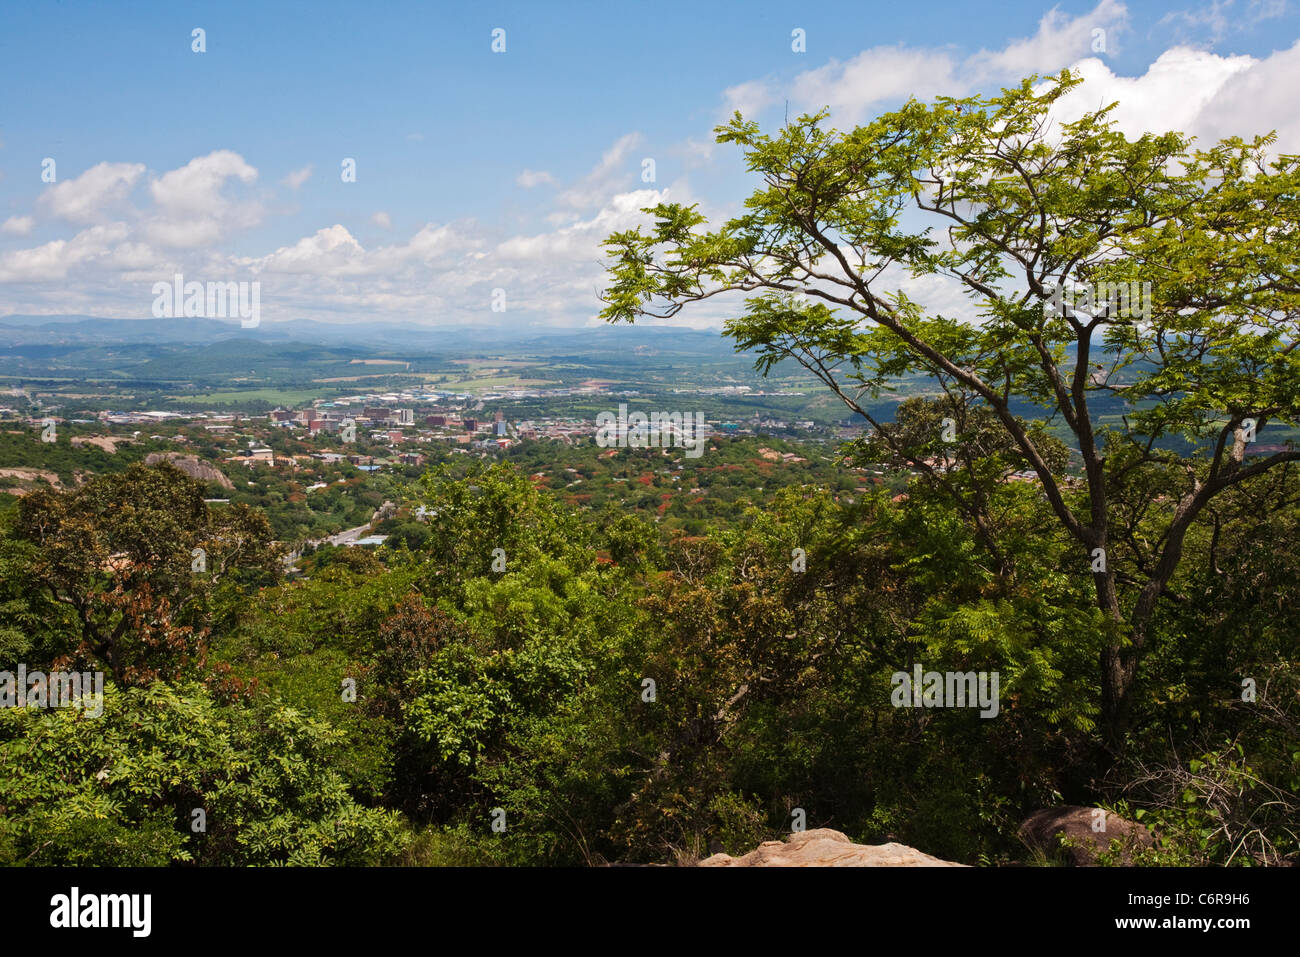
(192, 466)
(823, 847)
(1046, 829)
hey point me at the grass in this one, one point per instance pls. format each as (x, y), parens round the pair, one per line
(494, 382)
(278, 396)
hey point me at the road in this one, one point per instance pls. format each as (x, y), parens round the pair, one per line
(347, 535)
(342, 538)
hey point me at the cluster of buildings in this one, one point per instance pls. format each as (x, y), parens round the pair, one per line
(407, 423)
(317, 419)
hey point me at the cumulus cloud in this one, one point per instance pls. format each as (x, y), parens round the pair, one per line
(196, 186)
(449, 270)
(581, 238)
(333, 253)
(189, 211)
(430, 243)
(132, 258)
(879, 75)
(873, 77)
(1193, 90)
(17, 225)
(89, 197)
(190, 208)
(1256, 99)
(446, 271)
(432, 274)
(329, 250)
(1197, 92)
(53, 260)
(748, 98)
(558, 273)
(1060, 40)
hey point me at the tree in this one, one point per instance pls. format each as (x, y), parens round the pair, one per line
(130, 787)
(1048, 224)
(968, 467)
(137, 559)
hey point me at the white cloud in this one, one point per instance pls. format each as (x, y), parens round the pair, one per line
(190, 209)
(581, 239)
(196, 186)
(609, 176)
(1254, 100)
(430, 243)
(297, 177)
(872, 77)
(88, 197)
(1219, 17)
(530, 178)
(883, 74)
(748, 98)
(446, 271)
(17, 225)
(694, 152)
(45, 262)
(53, 260)
(434, 274)
(1060, 40)
(132, 257)
(332, 254)
(329, 250)
(1199, 93)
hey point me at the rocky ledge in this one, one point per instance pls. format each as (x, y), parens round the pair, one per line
(824, 847)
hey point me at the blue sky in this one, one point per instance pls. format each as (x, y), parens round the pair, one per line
(479, 170)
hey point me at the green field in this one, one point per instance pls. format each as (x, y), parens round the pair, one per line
(494, 382)
(287, 397)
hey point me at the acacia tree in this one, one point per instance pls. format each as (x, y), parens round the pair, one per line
(998, 198)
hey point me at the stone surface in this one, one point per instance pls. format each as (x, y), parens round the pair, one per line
(192, 466)
(1043, 831)
(823, 847)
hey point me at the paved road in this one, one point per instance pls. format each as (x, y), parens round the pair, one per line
(342, 538)
(348, 535)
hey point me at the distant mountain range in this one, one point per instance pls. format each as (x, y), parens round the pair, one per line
(80, 331)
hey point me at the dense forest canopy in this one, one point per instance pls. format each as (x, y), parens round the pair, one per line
(530, 670)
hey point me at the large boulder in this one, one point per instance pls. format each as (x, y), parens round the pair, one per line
(823, 847)
(192, 466)
(1067, 833)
